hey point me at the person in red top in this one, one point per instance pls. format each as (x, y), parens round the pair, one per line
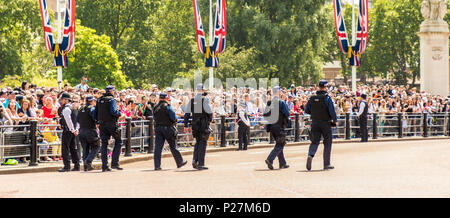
(297, 106)
(49, 109)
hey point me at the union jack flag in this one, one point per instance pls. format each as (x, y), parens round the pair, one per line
(68, 41)
(48, 30)
(200, 32)
(355, 51)
(220, 30)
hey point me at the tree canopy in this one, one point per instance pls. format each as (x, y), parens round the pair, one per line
(143, 42)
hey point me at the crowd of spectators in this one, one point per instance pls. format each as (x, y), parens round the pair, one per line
(19, 105)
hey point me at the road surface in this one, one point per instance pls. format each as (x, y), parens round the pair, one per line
(378, 169)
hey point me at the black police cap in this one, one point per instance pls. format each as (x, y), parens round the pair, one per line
(162, 95)
(323, 83)
(65, 95)
(90, 98)
(110, 88)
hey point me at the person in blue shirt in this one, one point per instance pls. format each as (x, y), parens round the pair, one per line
(277, 115)
(323, 115)
(165, 129)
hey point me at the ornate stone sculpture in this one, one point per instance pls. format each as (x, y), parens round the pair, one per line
(434, 9)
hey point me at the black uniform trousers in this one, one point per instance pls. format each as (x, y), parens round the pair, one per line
(201, 140)
(280, 138)
(163, 133)
(363, 129)
(108, 129)
(69, 149)
(90, 142)
(319, 129)
(243, 133)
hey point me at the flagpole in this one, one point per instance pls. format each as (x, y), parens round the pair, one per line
(353, 44)
(58, 11)
(211, 70)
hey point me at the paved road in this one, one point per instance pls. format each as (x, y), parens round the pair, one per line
(381, 169)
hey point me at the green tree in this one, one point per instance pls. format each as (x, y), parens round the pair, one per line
(393, 41)
(19, 25)
(94, 58)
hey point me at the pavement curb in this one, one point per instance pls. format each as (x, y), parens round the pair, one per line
(146, 157)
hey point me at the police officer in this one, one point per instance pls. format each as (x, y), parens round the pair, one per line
(88, 132)
(277, 115)
(165, 129)
(202, 116)
(107, 114)
(70, 130)
(362, 116)
(323, 115)
(244, 127)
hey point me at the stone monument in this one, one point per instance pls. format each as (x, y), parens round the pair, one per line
(434, 61)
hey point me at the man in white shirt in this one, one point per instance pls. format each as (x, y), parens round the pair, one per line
(83, 86)
(362, 115)
(244, 127)
(70, 128)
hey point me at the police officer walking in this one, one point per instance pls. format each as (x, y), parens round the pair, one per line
(88, 132)
(69, 125)
(202, 116)
(107, 114)
(323, 115)
(277, 115)
(165, 129)
(362, 116)
(244, 127)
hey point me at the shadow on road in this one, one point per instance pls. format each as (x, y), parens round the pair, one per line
(266, 170)
(311, 171)
(187, 171)
(155, 170)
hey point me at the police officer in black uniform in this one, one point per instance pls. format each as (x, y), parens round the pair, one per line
(202, 116)
(323, 115)
(277, 116)
(107, 114)
(68, 123)
(362, 116)
(165, 129)
(88, 132)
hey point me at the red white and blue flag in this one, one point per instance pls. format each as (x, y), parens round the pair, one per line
(68, 39)
(48, 30)
(220, 30)
(354, 52)
(200, 31)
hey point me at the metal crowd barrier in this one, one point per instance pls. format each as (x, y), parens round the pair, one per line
(138, 136)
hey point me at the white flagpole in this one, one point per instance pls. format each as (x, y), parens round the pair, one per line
(353, 44)
(211, 70)
(59, 17)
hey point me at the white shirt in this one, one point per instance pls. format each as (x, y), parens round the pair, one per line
(68, 118)
(361, 107)
(243, 118)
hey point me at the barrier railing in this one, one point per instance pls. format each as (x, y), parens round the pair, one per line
(34, 141)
